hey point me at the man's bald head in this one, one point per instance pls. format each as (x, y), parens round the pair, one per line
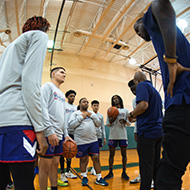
(139, 77)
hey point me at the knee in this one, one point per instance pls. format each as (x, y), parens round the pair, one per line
(95, 159)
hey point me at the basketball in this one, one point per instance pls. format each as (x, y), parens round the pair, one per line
(112, 112)
(69, 149)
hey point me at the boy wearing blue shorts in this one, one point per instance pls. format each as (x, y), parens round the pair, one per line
(100, 131)
(84, 124)
(118, 136)
(20, 109)
(53, 108)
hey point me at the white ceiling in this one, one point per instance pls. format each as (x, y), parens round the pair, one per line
(103, 23)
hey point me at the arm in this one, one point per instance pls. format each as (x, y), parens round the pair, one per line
(103, 128)
(65, 127)
(108, 124)
(46, 93)
(31, 77)
(141, 107)
(75, 120)
(166, 19)
(95, 119)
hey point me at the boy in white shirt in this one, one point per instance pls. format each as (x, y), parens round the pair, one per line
(99, 131)
(53, 108)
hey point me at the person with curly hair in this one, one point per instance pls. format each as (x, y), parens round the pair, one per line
(21, 124)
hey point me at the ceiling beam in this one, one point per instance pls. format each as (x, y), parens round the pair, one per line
(7, 22)
(100, 21)
(41, 7)
(128, 27)
(116, 19)
(17, 17)
(68, 21)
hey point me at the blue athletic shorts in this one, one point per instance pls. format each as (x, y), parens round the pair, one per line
(17, 144)
(100, 143)
(87, 149)
(114, 143)
(54, 150)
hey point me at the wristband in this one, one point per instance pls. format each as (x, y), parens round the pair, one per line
(169, 59)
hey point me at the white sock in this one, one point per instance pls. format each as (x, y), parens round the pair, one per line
(84, 174)
(99, 176)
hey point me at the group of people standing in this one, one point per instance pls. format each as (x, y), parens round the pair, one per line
(33, 118)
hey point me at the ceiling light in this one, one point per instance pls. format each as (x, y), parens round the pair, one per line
(132, 61)
(50, 43)
(182, 24)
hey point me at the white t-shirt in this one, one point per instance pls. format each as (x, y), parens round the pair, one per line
(118, 130)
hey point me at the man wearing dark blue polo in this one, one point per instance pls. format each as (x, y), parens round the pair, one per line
(173, 49)
(149, 128)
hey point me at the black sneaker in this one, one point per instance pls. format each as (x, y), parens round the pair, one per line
(109, 176)
(125, 176)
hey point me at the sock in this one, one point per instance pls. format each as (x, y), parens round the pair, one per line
(111, 170)
(99, 176)
(53, 188)
(84, 174)
(123, 170)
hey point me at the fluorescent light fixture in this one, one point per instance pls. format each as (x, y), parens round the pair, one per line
(132, 61)
(182, 24)
(50, 43)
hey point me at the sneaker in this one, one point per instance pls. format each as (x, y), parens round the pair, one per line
(48, 188)
(61, 183)
(84, 181)
(136, 180)
(152, 184)
(93, 172)
(10, 185)
(70, 175)
(125, 176)
(63, 178)
(101, 182)
(109, 176)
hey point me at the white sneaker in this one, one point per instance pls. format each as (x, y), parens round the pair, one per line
(70, 175)
(136, 180)
(93, 172)
(63, 178)
(152, 184)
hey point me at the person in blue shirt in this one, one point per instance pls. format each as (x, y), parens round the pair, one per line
(159, 25)
(149, 116)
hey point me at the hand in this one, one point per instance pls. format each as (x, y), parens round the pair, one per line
(84, 115)
(130, 118)
(67, 138)
(53, 140)
(122, 121)
(111, 119)
(43, 145)
(174, 70)
(89, 114)
(104, 142)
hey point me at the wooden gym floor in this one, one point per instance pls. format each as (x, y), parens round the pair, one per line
(115, 183)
